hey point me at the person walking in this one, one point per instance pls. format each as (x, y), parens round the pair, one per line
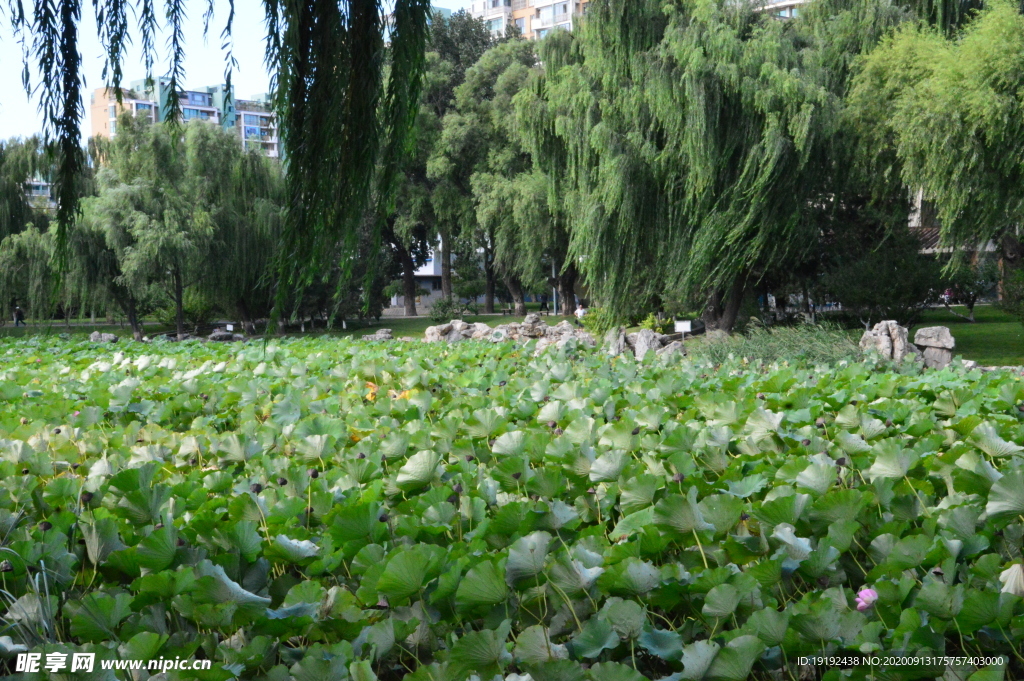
(19, 317)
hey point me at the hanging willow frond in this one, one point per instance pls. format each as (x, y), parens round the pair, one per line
(329, 65)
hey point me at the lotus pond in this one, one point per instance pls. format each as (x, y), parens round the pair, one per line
(326, 510)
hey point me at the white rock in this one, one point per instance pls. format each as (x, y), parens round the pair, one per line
(934, 337)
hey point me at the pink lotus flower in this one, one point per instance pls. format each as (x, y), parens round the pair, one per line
(866, 598)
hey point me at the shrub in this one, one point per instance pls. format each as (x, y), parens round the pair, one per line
(657, 325)
(597, 321)
(813, 344)
(445, 310)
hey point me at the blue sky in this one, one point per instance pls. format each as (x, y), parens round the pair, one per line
(204, 64)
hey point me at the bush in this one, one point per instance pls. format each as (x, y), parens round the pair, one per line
(597, 321)
(657, 325)
(445, 310)
(813, 344)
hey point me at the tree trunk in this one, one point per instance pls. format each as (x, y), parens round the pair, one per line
(566, 283)
(179, 304)
(248, 323)
(515, 289)
(489, 278)
(722, 311)
(133, 319)
(446, 268)
(408, 280)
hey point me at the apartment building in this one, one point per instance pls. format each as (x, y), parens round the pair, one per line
(252, 120)
(534, 18)
(783, 9)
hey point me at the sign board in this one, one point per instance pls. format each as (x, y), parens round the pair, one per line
(684, 326)
(231, 327)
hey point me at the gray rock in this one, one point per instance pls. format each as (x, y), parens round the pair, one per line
(673, 348)
(880, 340)
(900, 346)
(431, 334)
(379, 335)
(542, 345)
(615, 341)
(934, 337)
(937, 358)
(645, 341)
(498, 335)
(97, 337)
(480, 330)
(532, 319)
(455, 336)
(969, 364)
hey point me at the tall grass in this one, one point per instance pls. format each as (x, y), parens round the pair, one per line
(814, 344)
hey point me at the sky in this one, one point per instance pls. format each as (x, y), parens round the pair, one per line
(204, 63)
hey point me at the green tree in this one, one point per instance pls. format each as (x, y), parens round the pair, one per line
(690, 141)
(489, 172)
(157, 200)
(421, 214)
(943, 114)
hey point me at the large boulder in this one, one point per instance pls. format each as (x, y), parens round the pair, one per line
(934, 337)
(645, 341)
(937, 358)
(615, 341)
(97, 337)
(888, 339)
(480, 330)
(532, 319)
(673, 348)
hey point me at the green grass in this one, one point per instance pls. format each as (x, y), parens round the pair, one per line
(994, 339)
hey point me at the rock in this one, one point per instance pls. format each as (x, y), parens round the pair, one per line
(934, 337)
(97, 337)
(455, 336)
(379, 335)
(407, 339)
(444, 329)
(458, 325)
(532, 319)
(673, 348)
(646, 340)
(615, 341)
(498, 335)
(969, 364)
(937, 358)
(631, 340)
(431, 334)
(480, 330)
(888, 339)
(542, 345)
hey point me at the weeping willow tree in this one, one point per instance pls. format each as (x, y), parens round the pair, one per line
(337, 118)
(948, 113)
(20, 161)
(249, 221)
(691, 142)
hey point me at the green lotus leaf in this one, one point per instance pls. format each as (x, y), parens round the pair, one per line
(418, 471)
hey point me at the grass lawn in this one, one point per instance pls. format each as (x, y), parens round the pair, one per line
(995, 339)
